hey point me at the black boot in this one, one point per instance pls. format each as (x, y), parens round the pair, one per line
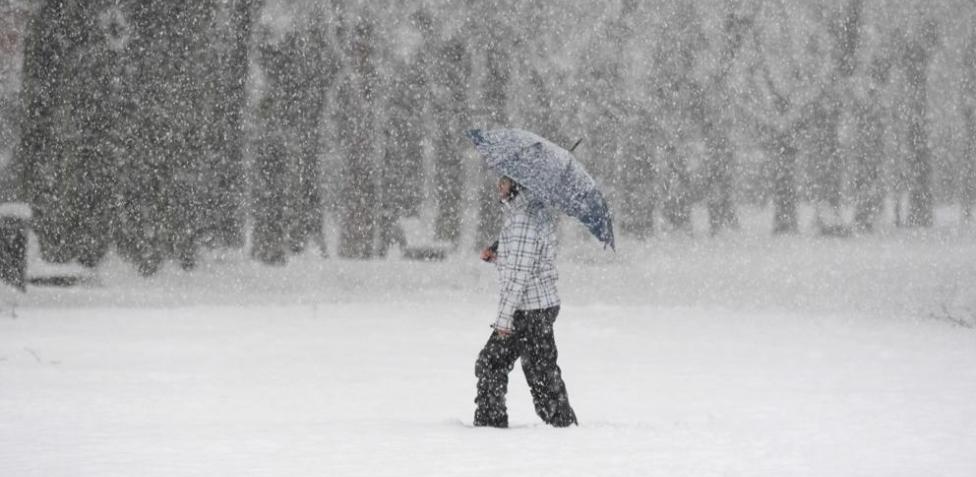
(490, 419)
(565, 417)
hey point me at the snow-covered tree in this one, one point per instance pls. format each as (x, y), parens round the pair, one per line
(68, 145)
(298, 67)
(228, 136)
(356, 117)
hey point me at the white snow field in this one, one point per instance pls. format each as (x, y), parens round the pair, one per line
(745, 355)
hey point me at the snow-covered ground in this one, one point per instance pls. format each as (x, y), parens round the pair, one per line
(745, 355)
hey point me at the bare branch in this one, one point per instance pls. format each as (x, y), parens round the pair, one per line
(949, 317)
(35, 354)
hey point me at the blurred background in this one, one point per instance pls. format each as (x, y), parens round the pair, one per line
(160, 129)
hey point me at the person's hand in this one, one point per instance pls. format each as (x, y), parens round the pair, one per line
(503, 332)
(488, 255)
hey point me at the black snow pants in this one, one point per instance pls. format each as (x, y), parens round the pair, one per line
(534, 343)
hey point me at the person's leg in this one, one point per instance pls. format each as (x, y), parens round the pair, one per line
(494, 363)
(541, 370)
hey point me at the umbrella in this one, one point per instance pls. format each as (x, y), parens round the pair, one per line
(549, 173)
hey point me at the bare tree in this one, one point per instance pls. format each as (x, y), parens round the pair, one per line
(838, 48)
(680, 43)
(916, 51)
(968, 102)
(710, 98)
(620, 127)
(786, 80)
(868, 147)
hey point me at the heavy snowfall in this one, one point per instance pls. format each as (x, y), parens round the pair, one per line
(253, 232)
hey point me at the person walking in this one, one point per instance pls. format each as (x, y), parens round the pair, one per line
(524, 256)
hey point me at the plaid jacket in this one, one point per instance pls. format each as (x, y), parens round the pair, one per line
(526, 260)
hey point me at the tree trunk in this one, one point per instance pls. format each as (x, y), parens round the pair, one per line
(402, 172)
(635, 183)
(784, 184)
(273, 187)
(920, 199)
(969, 166)
(677, 197)
(968, 198)
(309, 220)
(828, 171)
(270, 170)
(720, 156)
(869, 144)
(312, 77)
(450, 111)
(356, 239)
(447, 186)
(359, 201)
(827, 166)
(228, 214)
(718, 180)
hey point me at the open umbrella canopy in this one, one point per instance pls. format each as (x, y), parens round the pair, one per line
(547, 172)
